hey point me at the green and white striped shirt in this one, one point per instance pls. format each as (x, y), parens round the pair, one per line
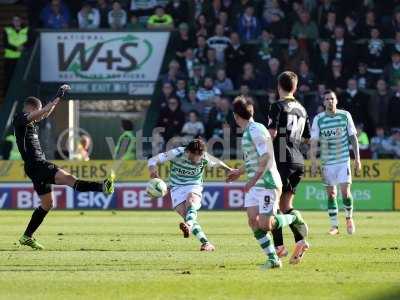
(256, 141)
(182, 170)
(333, 132)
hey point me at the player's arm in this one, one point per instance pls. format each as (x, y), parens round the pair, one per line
(273, 119)
(314, 147)
(161, 158)
(217, 163)
(234, 174)
(352, 132)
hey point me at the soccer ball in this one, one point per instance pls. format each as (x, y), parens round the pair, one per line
(156, 188)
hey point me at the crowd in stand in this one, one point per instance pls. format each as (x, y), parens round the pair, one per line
(225, 47)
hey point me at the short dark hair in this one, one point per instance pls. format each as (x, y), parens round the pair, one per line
(287, 81)
(33, 101)
(329, 91)
(127, 125)
(196, 146)
(243, 107)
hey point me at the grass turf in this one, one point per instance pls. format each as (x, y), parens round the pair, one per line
(141, 255)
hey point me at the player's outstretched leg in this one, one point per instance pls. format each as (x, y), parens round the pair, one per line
(333, 210)
(348, 207)
(64, 178)
(301, 245)
(36, 220)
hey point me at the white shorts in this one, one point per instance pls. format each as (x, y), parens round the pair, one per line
(333, 175)
(180, 194)
(267, 200)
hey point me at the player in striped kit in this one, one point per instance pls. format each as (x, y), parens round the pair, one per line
(186, 183)
(264, 185)
(334, 128)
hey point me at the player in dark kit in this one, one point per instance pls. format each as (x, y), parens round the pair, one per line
(43, 173)
(289, 126)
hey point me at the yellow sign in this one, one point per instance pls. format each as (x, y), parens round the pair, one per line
(131, 171)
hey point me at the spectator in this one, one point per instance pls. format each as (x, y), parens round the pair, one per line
(392, 71)
(103, 7)
(324, 8)
(192, 103)
(273, 17)
(15, 39)
(206, 95)
(10, 151)
(160, 20)
(244, 90)
(375, 54)
(83, 149)
(342, 48)
(219, 42)
(173, 73)
(180, 92)
(378, 143)
(214, 11)
(351, 27)
(305, 28)
(396, 45)
(198, 76)
(126, 145)
(221, 117)
(248, 26)
(393, 119)
(293, 55)
(329, 27)
(356, 102)
(189, 62)
(337, 79)
(267, 49)
(172, 119)
(273, 73)
(223, 20)
(235, 56)
(392, 145)
(193, 128)
(306, 78)
(239, 7)
(88, 17)
(200, 52)
(202, 26)
(167, 92)
(363, 141)
(134, 23)
(117, 16)
(183, 41)
(396, 21)
(212, 64)
(179, 11)
(250, 78)
(368, 24)
(223, 83)
(314, 103)
(378, 107)
(364, 79)
(55, 15)
(322, 60)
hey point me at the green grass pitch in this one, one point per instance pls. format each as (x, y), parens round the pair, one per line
(141, 255)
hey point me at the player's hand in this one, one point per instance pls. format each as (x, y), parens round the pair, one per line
(63, 90)
(153, 172)
(314, 168)
(233, 175)
(249, 185)
(357, 166)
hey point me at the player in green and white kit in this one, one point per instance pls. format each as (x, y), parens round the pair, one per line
(186, 183)
(334, 128)
(264, 185)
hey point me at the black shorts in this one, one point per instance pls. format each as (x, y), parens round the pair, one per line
(291, 174)
(42, 174)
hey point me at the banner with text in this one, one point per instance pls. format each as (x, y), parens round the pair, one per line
(367, 196)
(103, 62)
(136, 171)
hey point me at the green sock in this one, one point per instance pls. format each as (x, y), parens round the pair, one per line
(333, 211)
(284, 220)
(348, 206)
(199, 233)
(191, 215)
(266, 243)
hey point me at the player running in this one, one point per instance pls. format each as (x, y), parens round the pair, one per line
(333, 128)
(186, 183)
(43, 173)
(264, 185)
(288, 125)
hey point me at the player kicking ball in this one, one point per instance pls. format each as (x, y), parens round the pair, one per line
(186, 184)
(42, 172)
(333, 128)
(264, 186)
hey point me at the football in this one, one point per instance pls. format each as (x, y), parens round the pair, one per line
(156, 188)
